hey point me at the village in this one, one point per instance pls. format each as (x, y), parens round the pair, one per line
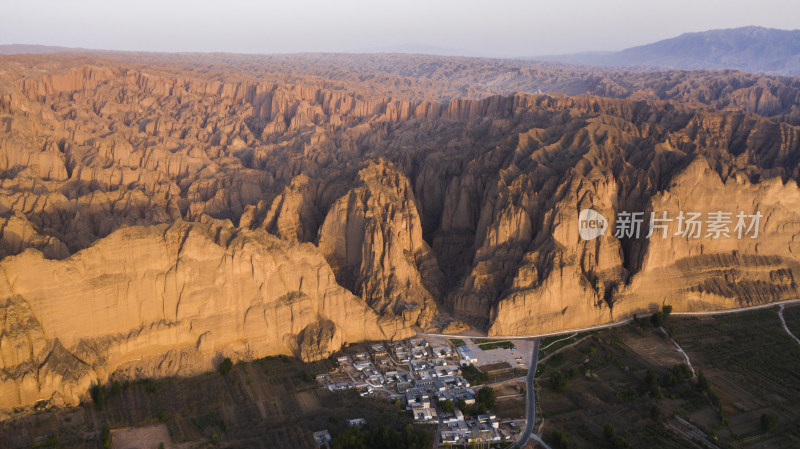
(438, 381)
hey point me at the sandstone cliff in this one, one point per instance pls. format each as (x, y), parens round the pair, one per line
(372, 238)
(144, 297)
(154, 218)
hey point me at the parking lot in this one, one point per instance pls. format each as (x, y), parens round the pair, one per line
(524, 349)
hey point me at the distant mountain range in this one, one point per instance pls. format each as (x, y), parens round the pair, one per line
(32, 49)
(750, 49)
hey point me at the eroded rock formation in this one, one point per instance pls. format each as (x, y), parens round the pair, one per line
(156, 218)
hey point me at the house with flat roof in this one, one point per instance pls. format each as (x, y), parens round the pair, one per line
(322, 437)
(360, 422)
(442, 351)
(466, 355)
(422, 413)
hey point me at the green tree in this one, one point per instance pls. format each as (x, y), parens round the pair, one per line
(655, 413)
(487, 396)
(558, 382)
(669, 379)
(351, 438)
(105, 436)
(560, 440)
(98, 394)
(620, 443)
(473, 375)
(651, 385)
(657, 319)
(769, 421)
(225, 366)
(702, 382)
(609, 432)
(682, 371)
(446, 406)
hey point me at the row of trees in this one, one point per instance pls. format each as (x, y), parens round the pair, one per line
(383, 437)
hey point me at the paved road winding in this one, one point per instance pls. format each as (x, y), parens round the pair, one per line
(608, 325)
(530, 409)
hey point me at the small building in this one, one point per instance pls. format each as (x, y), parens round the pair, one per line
(401, 355)
(378, 350)
(365, 390)
(486, 418)
(362, 365)
(424, 383)
(322, 437)
(419, 352)
(442, 351)
(340, 386)
(466, 355)
(360, 422)
(422, 413)
(467, 395)
(421, 342)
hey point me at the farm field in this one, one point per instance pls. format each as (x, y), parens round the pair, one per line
(634, 380)
(260, 404)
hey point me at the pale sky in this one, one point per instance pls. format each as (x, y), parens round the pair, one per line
(500, 28)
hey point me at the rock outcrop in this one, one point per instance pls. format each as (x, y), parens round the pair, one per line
(372, 238)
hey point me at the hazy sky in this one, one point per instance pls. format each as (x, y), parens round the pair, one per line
(487, 28)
